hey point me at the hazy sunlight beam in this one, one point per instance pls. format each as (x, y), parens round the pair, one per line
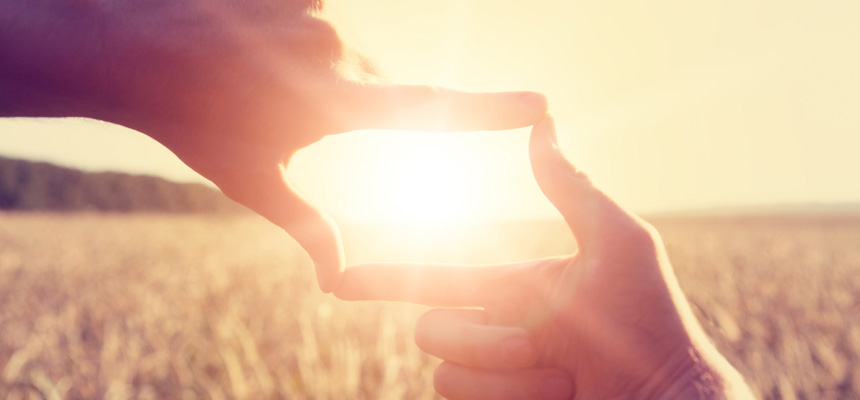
(425, 180)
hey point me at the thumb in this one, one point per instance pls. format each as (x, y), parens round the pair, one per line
(584, 207)
(266, 191)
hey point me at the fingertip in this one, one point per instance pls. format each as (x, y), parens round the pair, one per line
(447, 379)
(263, 188)
(544, 137)
(345, 288)
(547, 160)
(441, 376)
(329, 276)
(549, 122)
(510, 110)
(321, 239)
(535, 103)
(368, 282)
(492, 111)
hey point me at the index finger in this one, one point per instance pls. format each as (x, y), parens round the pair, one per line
(440, 285)
(435, 109)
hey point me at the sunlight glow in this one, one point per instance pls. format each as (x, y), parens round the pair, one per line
(662, 105)
(426, 180)
(421, 180)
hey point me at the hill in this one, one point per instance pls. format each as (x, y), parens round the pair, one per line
(38, 186)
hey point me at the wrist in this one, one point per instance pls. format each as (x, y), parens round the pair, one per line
(704, 375)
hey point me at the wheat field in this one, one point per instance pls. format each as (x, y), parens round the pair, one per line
(199, 307)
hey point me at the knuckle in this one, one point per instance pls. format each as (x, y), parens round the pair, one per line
(319, 39)
(623, 233)
(638, 236)
(635, 236)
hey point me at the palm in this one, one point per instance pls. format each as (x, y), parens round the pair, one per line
(577, 300)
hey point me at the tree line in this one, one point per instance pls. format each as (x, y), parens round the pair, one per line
(38, 186)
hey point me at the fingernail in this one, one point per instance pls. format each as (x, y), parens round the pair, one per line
(532, 99)
(553, 135)
(557, 389)
(518, 351)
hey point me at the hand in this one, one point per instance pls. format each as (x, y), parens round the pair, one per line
(610, 318)
(234, 89)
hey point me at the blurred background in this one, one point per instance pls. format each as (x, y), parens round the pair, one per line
(731, 126)
(670, 105)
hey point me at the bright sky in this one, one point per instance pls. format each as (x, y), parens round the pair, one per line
(666, 104)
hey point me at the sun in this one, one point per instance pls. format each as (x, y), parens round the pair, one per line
(420, 181)
(425, 180)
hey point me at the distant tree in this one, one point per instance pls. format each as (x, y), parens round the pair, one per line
(36, 186)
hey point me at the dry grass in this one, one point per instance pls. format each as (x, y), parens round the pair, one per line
(780, 296)
(186, 307)
(157, 307)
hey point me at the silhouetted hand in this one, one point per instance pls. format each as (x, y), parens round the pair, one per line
(233, 88)
(609, 322)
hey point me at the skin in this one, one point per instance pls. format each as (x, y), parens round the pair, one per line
(233, 88)
(609, 322)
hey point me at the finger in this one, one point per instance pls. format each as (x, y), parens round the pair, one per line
(591, 215)
(446, 285)
(457, 382)
(427, 108)
(462, 337)
(266, 191)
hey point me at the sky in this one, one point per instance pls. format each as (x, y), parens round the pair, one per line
(668, 105)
